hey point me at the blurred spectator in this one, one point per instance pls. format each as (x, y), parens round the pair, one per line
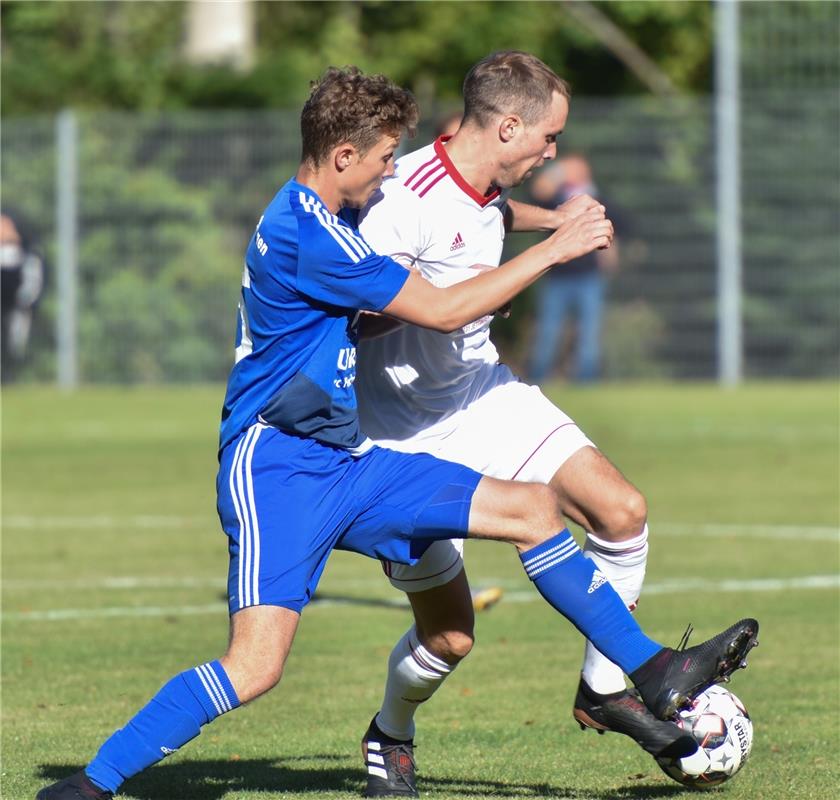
(448, 124)
(22, 285)
(577, 287)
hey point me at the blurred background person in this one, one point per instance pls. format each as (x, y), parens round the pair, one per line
(22, 270)
(448, 124)
(575, 289)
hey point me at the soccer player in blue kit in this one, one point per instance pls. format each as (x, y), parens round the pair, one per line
(298, 478)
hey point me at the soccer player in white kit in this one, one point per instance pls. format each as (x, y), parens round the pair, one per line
(444, 214)
(298, 478)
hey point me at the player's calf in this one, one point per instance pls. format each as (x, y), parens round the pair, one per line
(523, 514)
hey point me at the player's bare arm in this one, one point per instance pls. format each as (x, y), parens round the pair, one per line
(525, 217)
(450, 308)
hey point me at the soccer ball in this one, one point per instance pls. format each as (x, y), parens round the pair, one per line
(723, 730)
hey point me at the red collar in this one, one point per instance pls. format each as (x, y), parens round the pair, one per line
(461, 182)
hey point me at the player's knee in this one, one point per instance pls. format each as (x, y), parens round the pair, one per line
(252, 677)
(457, 645)
(261, 681)
(265, 681)
(451, 646)
(450, 642)
(626, 518)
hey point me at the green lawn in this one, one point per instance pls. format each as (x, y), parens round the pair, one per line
(114, 574)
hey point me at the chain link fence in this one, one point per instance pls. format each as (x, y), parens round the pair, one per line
(653, 160)
(167, 203)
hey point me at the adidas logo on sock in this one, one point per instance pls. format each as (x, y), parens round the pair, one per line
(598, 580)
(457, 243)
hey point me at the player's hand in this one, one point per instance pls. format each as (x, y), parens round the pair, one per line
(578, 205)
(588, 231)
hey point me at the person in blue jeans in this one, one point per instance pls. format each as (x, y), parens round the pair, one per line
(577, 289)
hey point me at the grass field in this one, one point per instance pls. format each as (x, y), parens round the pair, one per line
(114, 574)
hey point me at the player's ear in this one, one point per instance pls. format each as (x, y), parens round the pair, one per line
(509, 127)
(343, 156)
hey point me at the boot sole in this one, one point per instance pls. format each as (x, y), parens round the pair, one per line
(585, 721)
(681, 746)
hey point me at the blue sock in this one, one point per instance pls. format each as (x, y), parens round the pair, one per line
(171, 718)
(573, 585)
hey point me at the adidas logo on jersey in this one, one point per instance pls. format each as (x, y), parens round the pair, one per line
(598, 580)
(457, 243)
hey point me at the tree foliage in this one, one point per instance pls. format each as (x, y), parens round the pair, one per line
(129, 55)
(168, 200)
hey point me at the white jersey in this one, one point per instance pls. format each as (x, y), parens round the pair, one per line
(430, 219)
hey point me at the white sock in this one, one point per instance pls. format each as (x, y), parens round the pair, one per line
(414, 674)
(624, 564)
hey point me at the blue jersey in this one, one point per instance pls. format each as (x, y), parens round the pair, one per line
(307, 274)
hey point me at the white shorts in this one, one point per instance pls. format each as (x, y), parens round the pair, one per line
(513, 432)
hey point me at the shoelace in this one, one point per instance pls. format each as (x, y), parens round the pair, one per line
(685, 637)
(401, 750)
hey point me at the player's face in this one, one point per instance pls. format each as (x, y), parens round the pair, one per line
(535, 144)
(367, 172)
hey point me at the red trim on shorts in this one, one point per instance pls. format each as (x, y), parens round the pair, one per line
(537, 448)
(425, 577)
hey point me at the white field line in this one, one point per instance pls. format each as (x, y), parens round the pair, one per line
(124, 582)
(682, 585)
(87, 522)
(811, 533)
(61, 614)
(782, 532)
(826, 533)
(672, 586)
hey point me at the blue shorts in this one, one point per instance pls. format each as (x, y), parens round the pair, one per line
(286, 502)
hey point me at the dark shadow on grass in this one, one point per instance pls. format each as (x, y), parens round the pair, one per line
(322, 598)
(549, 791)
(326, 598)
(212, 779)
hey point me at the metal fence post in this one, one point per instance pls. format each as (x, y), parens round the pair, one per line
(728, 201)
(67, 254)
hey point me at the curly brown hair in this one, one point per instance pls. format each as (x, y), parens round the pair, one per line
(345, 105)
(510, 82)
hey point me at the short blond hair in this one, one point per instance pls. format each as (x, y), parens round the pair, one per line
(510, 82)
